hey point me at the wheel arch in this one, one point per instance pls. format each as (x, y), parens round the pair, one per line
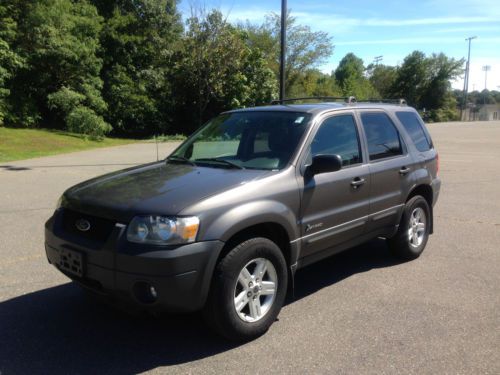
(425, 191)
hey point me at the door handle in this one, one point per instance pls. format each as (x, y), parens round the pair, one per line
(357, 182)
(404, 171)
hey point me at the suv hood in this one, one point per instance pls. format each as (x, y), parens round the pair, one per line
(159, 188)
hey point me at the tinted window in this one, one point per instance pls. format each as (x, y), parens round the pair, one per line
(254, 140)
(338, 136)
(382, 136)
(415, 130)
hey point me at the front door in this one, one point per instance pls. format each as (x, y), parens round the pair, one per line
(335, 205)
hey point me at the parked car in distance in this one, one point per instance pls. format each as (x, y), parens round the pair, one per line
(223, 223)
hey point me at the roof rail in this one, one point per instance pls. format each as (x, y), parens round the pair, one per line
(388, 101)
(346, 99)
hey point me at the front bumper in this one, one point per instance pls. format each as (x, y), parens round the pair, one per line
(180, 275)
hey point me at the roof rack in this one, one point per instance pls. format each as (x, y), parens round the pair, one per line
(388, 101)
(346, 99)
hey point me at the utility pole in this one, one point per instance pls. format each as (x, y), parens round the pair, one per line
(486, 69)
(466, 77)
(283, 49)
(377, 59)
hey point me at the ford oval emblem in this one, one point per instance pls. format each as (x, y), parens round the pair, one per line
(82, 225)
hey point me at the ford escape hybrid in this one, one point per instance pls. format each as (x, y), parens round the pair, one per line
(222, 224)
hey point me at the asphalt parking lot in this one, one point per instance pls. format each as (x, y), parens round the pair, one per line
(355, 313)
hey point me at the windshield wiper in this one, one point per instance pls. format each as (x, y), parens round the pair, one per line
(220, 160)
(180, 159)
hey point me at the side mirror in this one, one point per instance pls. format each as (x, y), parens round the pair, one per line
(325, 164)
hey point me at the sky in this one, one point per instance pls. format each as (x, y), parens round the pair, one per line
(391, 29)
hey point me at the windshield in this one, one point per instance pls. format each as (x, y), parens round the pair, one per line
(254, 140)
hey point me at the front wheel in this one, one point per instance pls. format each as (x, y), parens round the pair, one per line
(248, 290)
(413, 231)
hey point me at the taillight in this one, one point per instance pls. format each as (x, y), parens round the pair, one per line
(437, 164)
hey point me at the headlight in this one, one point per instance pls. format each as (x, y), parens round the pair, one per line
(163, 230)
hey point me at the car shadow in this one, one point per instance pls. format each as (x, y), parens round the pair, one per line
(371, 255)
(61, 330)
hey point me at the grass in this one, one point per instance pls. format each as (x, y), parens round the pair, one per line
(17, 144)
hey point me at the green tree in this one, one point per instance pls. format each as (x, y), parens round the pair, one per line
(440, 70)
(411, 78)
(217, 71)
(59, 41)
(382, 78)
(10, 61)
(306, 49)
(138, 42)
(314, 83)
(350, 77)
(425, 83)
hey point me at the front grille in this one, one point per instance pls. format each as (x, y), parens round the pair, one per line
(100, 229)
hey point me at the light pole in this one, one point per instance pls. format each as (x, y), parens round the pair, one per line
(466, 77)
(283, 49)
(486, 69)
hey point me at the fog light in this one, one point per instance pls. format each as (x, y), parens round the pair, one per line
(145, 292)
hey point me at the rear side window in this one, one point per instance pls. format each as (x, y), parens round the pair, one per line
(382, 136)
(415, 130)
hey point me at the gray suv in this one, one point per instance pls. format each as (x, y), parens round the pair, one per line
(224, 222)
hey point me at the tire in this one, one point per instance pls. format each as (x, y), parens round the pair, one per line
(230, 281)
(413, 232)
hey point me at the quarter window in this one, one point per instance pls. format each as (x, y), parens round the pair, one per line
(415, 130)
(338, 136)
(382, 136)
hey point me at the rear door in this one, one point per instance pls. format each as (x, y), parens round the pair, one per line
(424, 148)
(334, 206)
(391, 167)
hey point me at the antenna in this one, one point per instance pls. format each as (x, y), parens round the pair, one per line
(156, 142)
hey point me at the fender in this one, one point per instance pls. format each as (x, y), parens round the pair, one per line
(246, 215)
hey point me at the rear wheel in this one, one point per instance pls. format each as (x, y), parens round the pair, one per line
(413, 231)
(248, 290)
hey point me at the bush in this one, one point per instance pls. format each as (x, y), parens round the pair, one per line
(83, 120)
(65, 100)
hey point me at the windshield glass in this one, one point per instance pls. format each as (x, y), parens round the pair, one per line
(254, 140)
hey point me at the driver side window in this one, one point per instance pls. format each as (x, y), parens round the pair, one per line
(338, 135)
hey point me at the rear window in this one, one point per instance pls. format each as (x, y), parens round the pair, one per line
(415, 130)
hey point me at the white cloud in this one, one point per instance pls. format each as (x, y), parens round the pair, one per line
(471, 29)
(418, 40)
(331, 21)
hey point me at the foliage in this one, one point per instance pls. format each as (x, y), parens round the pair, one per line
(306, 49)
(217, 71)
(84, 120)
(425, 81)
(138, 42)
(59, 40)
(312, 83)
(87, 65)
(411, 78)
(10, 61)
(382, 78)
(478, 97)
(351, 79)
